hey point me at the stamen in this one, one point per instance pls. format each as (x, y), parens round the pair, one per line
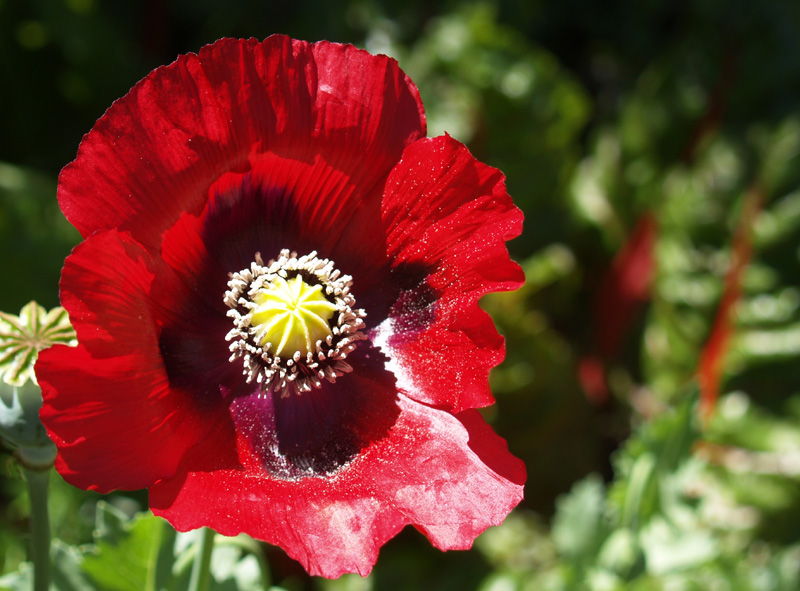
(294, 322)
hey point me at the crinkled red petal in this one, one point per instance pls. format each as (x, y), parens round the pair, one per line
(450, 216)
(249, 147)
(109, 405)
(334, 118)
(449, 476)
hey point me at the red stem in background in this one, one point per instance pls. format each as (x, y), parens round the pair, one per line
(625, 286)
(712, 357)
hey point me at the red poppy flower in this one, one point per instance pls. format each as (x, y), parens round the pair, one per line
(277, 306)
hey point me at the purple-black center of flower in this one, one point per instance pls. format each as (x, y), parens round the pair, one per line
(294, 322)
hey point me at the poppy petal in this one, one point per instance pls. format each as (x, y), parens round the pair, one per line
(94, 405)
(225, 158)
(337, 525)
(449, 214)
(314, 108)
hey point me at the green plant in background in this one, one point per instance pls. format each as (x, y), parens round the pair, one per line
(654, 148)
(668, 520)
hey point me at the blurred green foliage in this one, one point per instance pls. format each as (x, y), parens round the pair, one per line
(653, 145)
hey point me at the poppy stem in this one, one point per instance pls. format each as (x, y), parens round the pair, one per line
(201, 570)
(266, 573)
(40, 527)
(253, 547)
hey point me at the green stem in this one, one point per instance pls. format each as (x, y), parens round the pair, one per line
(201, 571)
(251, 546)
(266, 573)
(40, 527)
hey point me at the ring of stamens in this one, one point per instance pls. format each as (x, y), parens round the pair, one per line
(294, 322)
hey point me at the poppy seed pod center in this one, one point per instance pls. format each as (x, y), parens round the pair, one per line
(292, 315)
(294, 322)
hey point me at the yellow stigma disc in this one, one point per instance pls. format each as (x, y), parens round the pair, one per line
(292, 315)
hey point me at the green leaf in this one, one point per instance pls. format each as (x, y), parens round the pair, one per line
(646, 465)
(123, 558)
(146, 554)
(620, 553)
(67, 573)
(20, 580)
(641, 491)
(578, 526)
(111, 524)
(668, 548)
